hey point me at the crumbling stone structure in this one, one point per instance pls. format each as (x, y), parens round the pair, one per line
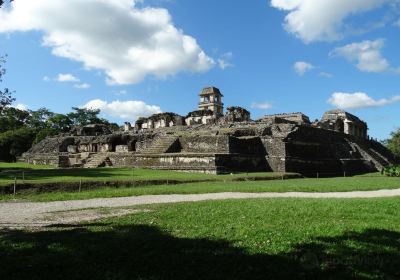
(344, 122)
(236, 114)
(159, 121)
(295, 118)
(210, 142)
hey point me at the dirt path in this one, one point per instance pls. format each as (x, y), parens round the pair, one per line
(36, 214)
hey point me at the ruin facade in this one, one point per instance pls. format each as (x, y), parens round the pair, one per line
(209, 141)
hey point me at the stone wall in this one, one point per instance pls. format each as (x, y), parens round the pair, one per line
(204, 163)
(46, 159)
(247, 146)
(227, 163)
(311, 150)
(276, 153)
(205, 144)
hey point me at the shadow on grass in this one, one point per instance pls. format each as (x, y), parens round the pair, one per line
(42, 174)
(145, 252)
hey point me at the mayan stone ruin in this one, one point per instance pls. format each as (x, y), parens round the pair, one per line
(211, 141)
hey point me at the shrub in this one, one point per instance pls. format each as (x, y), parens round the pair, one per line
(393, 171)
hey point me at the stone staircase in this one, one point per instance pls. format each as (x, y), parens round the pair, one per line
(97, 160)
(371, 155)
(161, 145)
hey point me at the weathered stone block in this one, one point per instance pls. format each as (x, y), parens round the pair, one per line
(121, 148)
(72, 149)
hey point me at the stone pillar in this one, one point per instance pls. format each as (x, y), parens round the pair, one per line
(348, 127)
(127, 126)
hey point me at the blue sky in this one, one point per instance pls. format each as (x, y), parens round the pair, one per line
(134, 58)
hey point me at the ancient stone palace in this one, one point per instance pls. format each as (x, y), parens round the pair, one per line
(210, 140)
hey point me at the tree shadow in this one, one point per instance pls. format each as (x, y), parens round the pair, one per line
(45, 174)
(146, 252)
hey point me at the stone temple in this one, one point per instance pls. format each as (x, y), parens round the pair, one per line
(211, 141)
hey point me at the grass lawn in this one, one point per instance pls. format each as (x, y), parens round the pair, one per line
(40, 174)
(357, 183)
(244, 239)
(215, 183)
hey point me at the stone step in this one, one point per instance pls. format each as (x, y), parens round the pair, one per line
(95, 161)
(161, 145)
(368, 155)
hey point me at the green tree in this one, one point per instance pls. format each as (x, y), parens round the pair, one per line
(6, 98)
(39, 119)
(12, 118)
(5, 95)
(15, 142)
(393, 143)
(44, 133)
(60, 122)
(84, 116)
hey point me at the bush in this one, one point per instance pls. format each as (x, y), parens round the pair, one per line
(393, 171)
(15, 142)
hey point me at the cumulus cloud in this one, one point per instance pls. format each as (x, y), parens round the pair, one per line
(66, 78)
(82, 86)
(225, 61)
(358, 100)
(262, 106)
(21, 106)
(301, 67)
(127, 42)
(125, 110)
(366, 54)
(322, 20)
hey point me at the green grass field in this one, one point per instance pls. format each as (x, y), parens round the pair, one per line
(43, 174)
(244, 239)
(215, 183)
(359, 183)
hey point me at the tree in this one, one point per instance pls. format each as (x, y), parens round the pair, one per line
(60, 122)
(15, 142)
(2, 2)
(12, 118)
(84, 116)
(393, 143)
(39, 118)
(5, 95)
(6, 98)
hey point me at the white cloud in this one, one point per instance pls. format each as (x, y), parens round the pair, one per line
(224, 61)
(46, 79)
(325, 74)
(66, 78)
(322, 20)
(262, 106)
(125, 110)
(21, 106)
(127, 42)
(301, 67)
(82, 86)
(358, 100)
(366, 54)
